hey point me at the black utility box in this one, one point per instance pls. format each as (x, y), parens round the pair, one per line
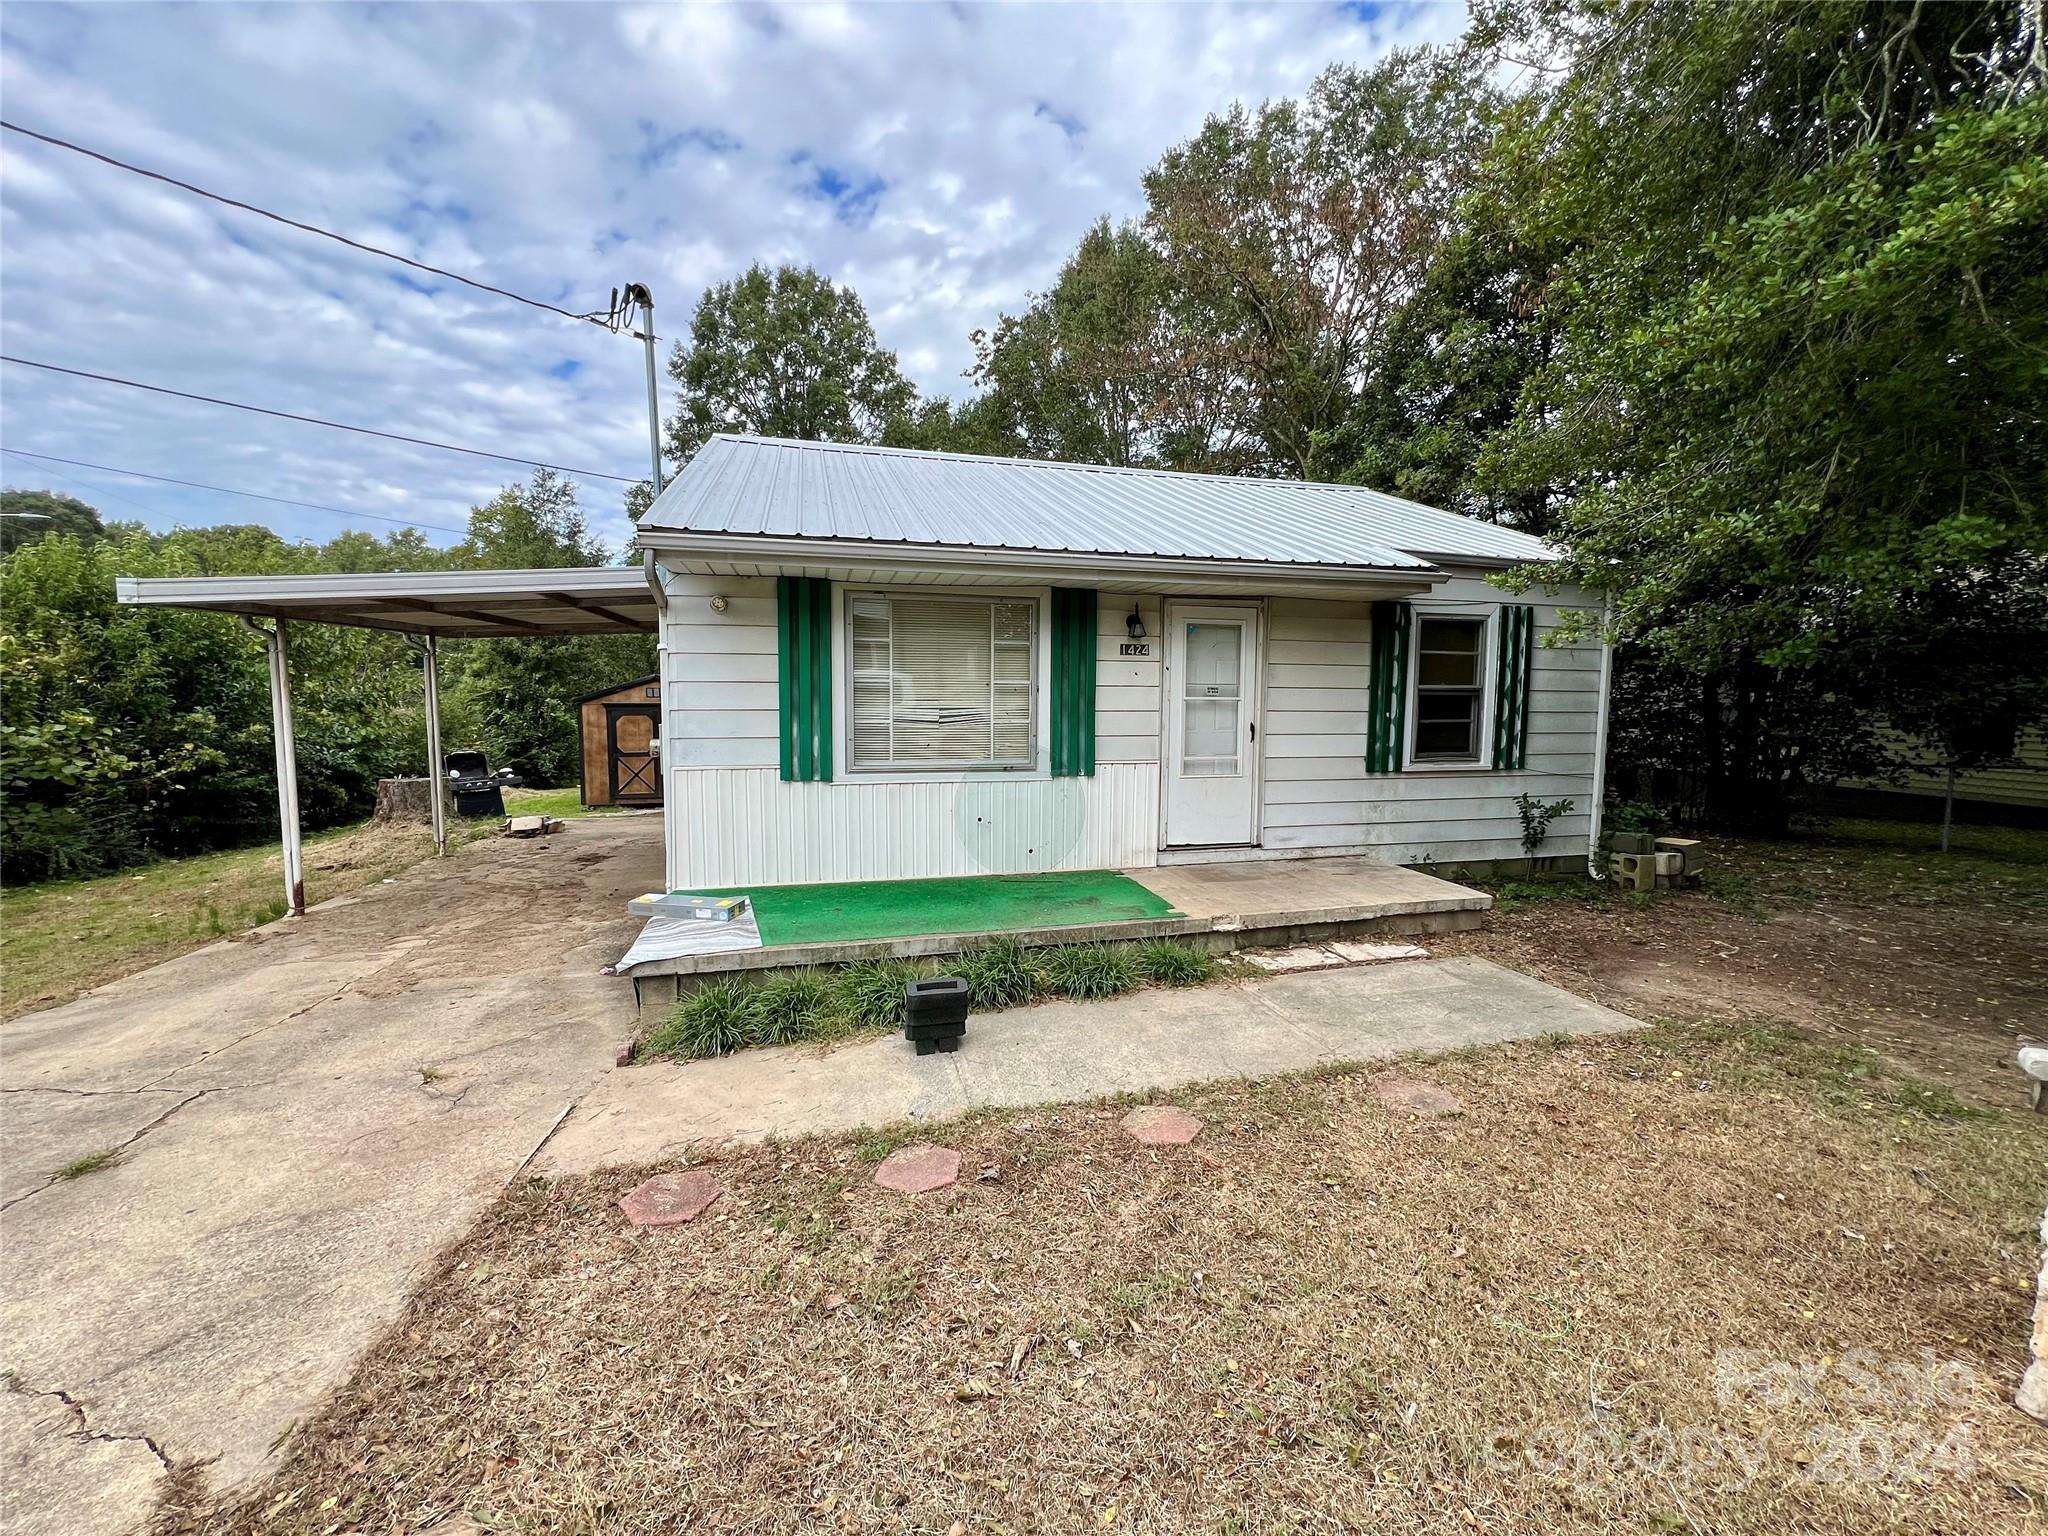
(935, 1014)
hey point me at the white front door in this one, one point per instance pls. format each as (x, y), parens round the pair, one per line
(1210, 755)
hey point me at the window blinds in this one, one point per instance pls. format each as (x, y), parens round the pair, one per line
(940, 682)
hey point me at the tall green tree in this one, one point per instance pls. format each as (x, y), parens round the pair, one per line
(1796, 395)
(783, 353)
(26, 516)
(1293, 235)
(1095, 370)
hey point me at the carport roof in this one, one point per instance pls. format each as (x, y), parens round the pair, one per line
(595, 600)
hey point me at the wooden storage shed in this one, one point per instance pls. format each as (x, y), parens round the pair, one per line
(619, 732)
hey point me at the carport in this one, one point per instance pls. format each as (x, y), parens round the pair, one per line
(425, 607)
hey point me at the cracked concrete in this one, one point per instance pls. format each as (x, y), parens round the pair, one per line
(287, 1172)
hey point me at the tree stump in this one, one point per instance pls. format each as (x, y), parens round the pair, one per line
(403, 800)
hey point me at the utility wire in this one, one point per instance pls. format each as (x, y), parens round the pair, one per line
(317, 421)
(608, 319)
(228, 490)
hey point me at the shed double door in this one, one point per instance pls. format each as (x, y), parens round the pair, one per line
(634, 753)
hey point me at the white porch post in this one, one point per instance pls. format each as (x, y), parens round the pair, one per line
(287, 763)
(436, 775)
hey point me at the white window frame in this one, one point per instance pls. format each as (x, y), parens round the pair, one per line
(1489, 685)
(1040, 766)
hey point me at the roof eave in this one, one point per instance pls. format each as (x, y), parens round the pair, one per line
(787, 549)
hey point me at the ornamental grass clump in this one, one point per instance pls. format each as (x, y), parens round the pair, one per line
(797, 1006)
(999, 974)
(871, 991)
(1168, 963)
(1088, 971)
(715, 1020)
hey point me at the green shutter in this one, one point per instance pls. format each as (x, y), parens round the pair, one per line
(1387, 694)
(803, 672)
(1516, 649)
(1073, 682)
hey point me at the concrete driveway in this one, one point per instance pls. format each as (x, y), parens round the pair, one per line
(305, 1116)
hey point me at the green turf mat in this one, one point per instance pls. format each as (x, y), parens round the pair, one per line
(894, 909)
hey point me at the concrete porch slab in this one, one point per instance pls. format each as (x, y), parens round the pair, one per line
(1272, 893)
(1217, 906)
(1065, 1051)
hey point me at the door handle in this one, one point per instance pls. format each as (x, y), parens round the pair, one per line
(1255, 730)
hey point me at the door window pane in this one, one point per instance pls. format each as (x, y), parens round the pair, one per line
(1211, 707)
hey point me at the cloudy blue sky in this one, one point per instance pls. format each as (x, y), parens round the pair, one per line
(941, 159)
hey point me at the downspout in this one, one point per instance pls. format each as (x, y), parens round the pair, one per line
(1594, 868)
(671, 864)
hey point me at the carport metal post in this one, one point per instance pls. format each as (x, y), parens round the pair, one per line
(287, 763)
(430, 651)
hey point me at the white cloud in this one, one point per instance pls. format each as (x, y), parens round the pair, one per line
(942, 159)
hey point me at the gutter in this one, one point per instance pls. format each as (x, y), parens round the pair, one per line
(999, 561)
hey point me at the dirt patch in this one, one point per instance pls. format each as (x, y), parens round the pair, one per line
(1939, 965)
(1324, 1314)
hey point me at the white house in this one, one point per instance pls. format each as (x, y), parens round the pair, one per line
(883, 664)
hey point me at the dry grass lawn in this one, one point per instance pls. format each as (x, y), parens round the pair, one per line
(65, 937)
(1324, 1315)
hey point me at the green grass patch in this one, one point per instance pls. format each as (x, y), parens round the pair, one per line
(64, 937)
(92, 1162)
(1535, 891)
(552, 802)
(797, 1006)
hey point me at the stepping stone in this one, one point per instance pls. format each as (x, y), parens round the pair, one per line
(1305, 958)
(1416, 1098)
(919, 1170)
(1161, 1125)
(670, 1199)
(1358, 953)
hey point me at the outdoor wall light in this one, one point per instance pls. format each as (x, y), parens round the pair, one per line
(718, 603)
(1135, 623)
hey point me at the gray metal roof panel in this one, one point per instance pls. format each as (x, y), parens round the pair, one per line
(776, 486)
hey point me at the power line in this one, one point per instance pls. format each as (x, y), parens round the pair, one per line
(609, 320)
(228, 490)
(317, 421)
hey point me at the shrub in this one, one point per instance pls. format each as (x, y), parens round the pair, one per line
(1536, 819)
(1173, 964)
(1089, 970)
(716, 1019)
(798, 1006)
(998, 974)
(871, 991)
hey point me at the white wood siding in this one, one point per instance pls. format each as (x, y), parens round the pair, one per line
(740, 826)
(1317, 793)
(733, 821)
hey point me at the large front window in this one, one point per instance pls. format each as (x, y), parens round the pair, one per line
(940, 682)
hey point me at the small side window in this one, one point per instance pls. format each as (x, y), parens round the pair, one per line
(1450, 678)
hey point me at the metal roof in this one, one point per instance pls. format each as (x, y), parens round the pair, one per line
(580, 600)
(768, 486)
